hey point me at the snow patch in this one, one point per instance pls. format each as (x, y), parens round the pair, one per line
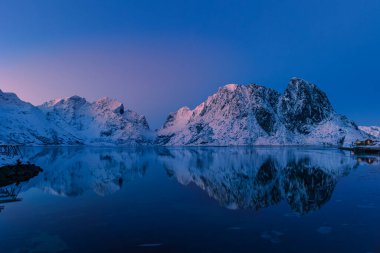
(231, 87)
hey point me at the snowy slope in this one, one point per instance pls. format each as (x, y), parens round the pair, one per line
(23, 123)
(256, 115)
(100, 122)
(372, 130)
(70, 121)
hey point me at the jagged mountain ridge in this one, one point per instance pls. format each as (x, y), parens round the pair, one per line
(235, 115)
(70, 121)
(23, 123)
(256, 115)
(103, 121)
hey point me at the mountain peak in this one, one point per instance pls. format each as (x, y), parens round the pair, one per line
(10, 98)
(75, 98)
(298, 80)
(257, 115)
(72, 100)
(302, 104)
(230, 87)
(300, 86)
(111, 104)
(102, 121)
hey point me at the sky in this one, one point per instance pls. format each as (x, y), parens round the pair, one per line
(156, 56)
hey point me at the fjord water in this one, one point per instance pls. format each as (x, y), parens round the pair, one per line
(225, 199)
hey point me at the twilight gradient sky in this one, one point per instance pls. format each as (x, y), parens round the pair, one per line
(156, 56)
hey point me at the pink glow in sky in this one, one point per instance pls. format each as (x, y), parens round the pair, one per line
(156, 57)
(152, 79)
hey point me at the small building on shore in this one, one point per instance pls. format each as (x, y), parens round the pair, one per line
(367, 142)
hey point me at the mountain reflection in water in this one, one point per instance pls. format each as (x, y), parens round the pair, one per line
(258, 178)
(71, 171)
(238, 178)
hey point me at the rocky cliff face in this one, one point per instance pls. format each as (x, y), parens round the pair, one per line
(256, 115)
(303, 105)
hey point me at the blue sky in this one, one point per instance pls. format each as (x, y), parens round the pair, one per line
(156, 56)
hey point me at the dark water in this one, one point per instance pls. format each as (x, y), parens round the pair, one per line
(195, 200)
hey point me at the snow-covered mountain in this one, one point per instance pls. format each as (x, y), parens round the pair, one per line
(70, 121)
(23, 123)
(103, 121)
(256, 115)
(372, 130)
(235, 115)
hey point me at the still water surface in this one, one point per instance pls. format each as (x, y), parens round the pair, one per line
(195, 200)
